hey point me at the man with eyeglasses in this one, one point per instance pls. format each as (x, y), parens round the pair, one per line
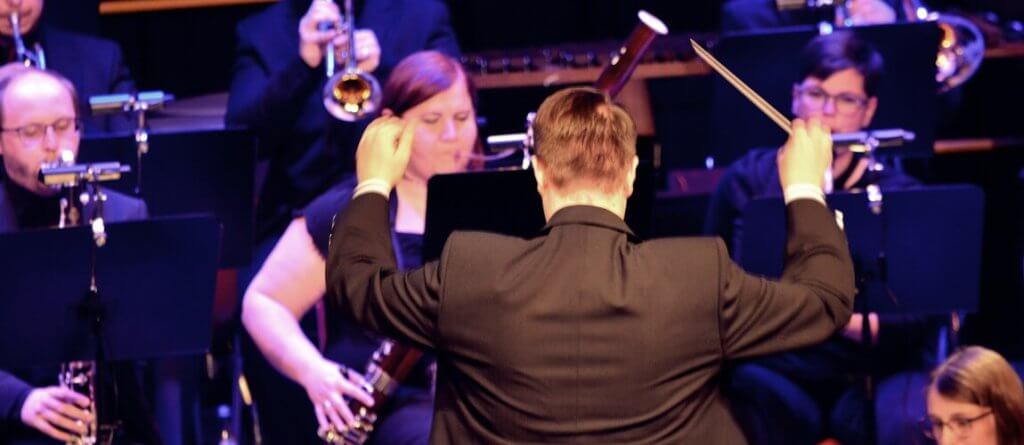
(805, 395)
(38, 120)
(94, 65)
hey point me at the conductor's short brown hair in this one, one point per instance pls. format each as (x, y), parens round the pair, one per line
(581, 136)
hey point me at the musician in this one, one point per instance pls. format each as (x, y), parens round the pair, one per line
(975, 397)
(39, 117)
(94, 65)
(792, 398)
(278, 79)
(428, 87)
(752, 15)
(584, 334)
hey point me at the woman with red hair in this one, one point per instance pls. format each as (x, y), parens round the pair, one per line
(432, 89)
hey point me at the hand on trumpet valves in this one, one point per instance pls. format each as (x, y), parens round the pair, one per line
(57, 412)
(329, 386)
(367, 49)
(313, 38)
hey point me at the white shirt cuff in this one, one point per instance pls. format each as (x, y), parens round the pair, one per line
(804, 191)
(379, 186)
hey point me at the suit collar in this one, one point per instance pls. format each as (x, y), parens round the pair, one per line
(374, 15)
(590, 216)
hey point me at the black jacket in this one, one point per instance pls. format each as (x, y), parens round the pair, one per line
(584, 333)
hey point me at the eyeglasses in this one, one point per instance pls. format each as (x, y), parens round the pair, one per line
(959, 426)
(845, 103)
(33, 134)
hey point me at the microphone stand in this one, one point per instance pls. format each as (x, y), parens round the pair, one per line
(136, 104)
(86, 376)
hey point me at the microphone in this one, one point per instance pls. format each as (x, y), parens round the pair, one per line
(886, 138)
(72, 175)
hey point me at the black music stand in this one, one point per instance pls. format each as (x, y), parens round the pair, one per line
(769, 61)
(920, 255)
(200, 172)
(155, 282)
(930, 237)
(154, 285)
(507, 202)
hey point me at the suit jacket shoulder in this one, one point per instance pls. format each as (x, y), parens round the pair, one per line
(95, 66)
(272, 34)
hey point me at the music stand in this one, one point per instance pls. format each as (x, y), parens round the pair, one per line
(930, 237)
(769, 61)
(200, 172)
(507, 202)
(920, 255)
(155, 282)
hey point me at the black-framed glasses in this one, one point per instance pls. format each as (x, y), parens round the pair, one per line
(33, 134)
(815, 97)
(959, 426)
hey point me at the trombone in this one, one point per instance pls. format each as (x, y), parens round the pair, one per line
(351, 94)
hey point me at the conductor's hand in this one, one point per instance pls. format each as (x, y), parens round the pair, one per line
(313, 39)
(806, 155)
(57, 412)
(384, 150)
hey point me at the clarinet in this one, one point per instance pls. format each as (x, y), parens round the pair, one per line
(79, 186)
(78, 376)
(390, 364)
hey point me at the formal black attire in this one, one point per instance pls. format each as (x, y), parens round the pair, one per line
(585, 333)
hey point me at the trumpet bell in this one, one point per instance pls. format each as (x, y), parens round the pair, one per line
(350, 96)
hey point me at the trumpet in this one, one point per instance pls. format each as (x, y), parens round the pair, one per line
(351, 94)
(34, 57)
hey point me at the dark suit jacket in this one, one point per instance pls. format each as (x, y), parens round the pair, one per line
(584, 333)
(277, 95)
(95, 66)
(15, 387)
